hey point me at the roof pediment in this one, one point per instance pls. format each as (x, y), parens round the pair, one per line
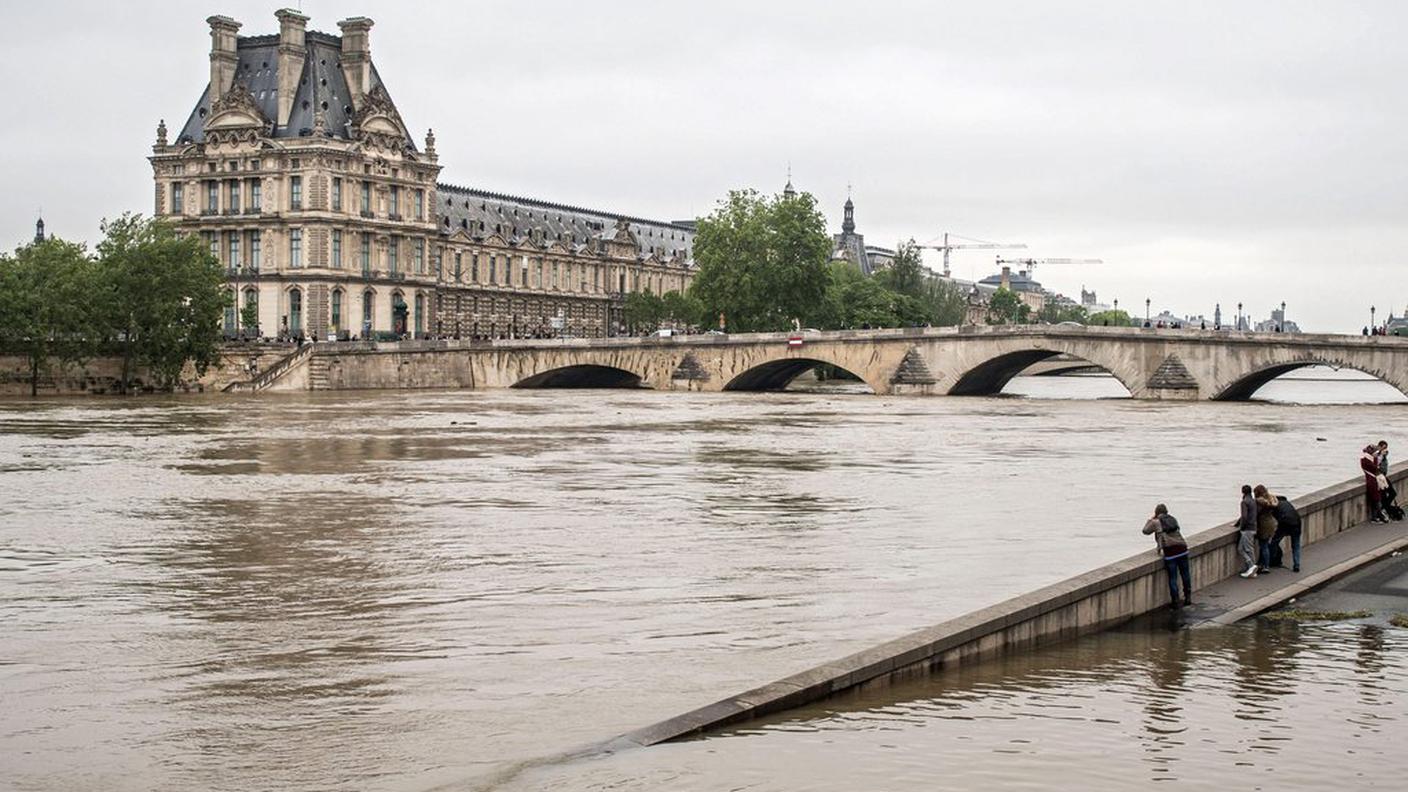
(235, 109)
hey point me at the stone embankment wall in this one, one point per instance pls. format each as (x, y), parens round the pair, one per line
(100, 375)
(1087, 603)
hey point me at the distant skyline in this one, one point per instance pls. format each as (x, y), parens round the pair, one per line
(1208, 152)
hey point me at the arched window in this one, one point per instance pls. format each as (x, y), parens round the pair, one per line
(231, 316)
(368, 322)
(336, 310)
(295, 312)
(249, 315)
(420, 313)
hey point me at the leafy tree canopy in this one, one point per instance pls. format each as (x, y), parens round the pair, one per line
(762, 261)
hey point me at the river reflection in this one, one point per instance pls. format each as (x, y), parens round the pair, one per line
(1252, 706)
(405, 591)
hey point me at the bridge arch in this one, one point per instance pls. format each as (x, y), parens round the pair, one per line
(777, 374)
(989, 377)
(1245, 385)
(582, 376)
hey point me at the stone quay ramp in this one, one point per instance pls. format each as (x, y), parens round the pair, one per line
(1335, 541)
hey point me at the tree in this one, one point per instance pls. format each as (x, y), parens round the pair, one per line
(762, 261)
(47, 305)
(1113, 318)
(1055, 313)
(946, 301)
(1006, 307)
(643, 310)
(906, 273)
(166, 297)
(682, 308)
(249, 318)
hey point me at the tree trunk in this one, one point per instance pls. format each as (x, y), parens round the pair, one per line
(33, 375)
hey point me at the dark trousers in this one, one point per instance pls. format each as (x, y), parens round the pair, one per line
(1277, 555)
(1178, 568)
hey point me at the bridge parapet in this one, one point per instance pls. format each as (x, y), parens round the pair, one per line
(1151, 363)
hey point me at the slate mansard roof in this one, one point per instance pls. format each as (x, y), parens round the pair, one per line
(321, 86)
(481, 213)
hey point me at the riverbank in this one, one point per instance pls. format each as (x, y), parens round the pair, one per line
(100, 376)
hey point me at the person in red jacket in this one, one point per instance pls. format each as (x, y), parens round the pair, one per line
(1369, 463)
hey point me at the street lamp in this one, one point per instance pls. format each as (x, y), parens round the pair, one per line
(1281, 325)
(1372, 326)
(1146, 310)
(1239, 316)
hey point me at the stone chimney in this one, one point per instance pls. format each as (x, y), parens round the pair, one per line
(357, 57)
(1006, 277)
(292, 51)
(224, 37)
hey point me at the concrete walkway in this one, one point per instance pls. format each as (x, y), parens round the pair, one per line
(1331, 558)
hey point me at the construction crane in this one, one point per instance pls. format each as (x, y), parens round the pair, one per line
(1030, 263)
(967, 244)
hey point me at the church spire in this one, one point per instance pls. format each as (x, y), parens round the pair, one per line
(789, 191)
(39, 230)
(848, 223)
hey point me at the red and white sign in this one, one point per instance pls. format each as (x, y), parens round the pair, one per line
(794, 341)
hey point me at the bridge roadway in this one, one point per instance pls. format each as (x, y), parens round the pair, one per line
(1150, 363)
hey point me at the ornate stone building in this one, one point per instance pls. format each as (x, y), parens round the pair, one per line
(297, 169)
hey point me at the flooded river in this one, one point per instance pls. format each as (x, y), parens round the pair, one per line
(427, 590)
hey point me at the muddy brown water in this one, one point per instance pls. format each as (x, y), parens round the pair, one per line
(404, 591)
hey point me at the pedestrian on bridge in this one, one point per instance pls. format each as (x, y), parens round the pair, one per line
(1169, 538)
(1246, 539)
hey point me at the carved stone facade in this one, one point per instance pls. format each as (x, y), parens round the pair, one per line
(298, 170)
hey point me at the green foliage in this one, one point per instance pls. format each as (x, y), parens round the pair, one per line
(684, 309)
(1054, 313)
(47, 305)
(164, 296)
(643, 311)
(906, 273)
(946, 301)
(1113, 318)
(249, 318)
(762, 262)
(1006, 307)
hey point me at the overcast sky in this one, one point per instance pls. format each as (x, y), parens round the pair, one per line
(1207, 152)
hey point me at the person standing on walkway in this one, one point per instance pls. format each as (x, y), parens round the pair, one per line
(1174, 549)
(1369, 463)
(1287, 527)
(1265, 526)
(1246, 524)
(1388, 494)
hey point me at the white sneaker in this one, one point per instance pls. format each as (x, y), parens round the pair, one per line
(1250, 572)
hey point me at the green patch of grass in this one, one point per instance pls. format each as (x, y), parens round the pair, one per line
(1296, 614)
(1399, 620)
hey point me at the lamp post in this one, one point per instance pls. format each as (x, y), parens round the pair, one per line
(1146, 310)
(1372, 327)
(1239, 316)
(1281, 325)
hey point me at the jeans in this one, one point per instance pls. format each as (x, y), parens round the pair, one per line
(1263, 553)
(1179, 567)
(1276, 553)
(1246, 548)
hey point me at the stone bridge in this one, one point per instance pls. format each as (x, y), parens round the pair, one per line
(1150, 363)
